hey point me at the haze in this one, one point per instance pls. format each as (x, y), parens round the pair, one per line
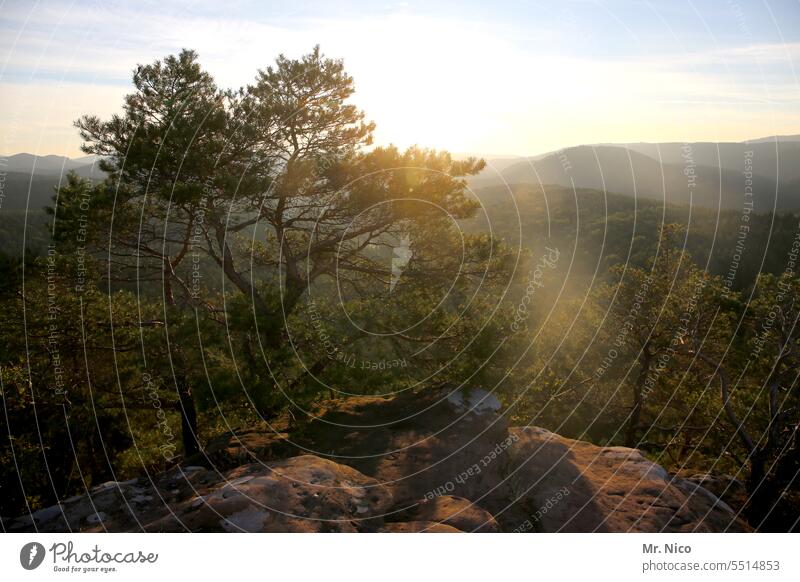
(520, 79)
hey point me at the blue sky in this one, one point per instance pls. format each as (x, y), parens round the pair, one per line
(490, 77)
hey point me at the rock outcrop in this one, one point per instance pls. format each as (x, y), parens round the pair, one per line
(574, 486)
(728, 488)
(433, 462)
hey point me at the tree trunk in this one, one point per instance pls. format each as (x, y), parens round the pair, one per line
(761, 492)
(638, 402)
(191, 445)
(759, 489)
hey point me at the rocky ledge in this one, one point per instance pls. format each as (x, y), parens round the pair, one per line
(433, 462)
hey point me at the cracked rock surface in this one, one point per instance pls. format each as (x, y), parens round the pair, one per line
(434, 462)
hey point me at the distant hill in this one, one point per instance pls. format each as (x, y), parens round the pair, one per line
(29, 163)
(778, 161)
(85, 166)
(28, 187)
(25, 191)
(35, 191)
(664, 172)
(31, 180)
(774, 138)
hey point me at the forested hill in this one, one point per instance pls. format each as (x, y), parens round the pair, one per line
(606, 229)
(614, 220)
(711, 175)
(30, 181)
(601, 229)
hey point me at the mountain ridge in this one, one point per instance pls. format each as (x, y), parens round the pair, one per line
(727, 175)
(760, 177)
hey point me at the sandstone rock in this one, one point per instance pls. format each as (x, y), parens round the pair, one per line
(419, 445)
(455, 512)
(439, 460)
(261, 443)
(418, 527)
(111, 506)
(729, 489)
(476, 401)
(300, 494)
(561, 484)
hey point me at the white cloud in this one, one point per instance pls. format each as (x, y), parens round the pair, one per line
(444, 82)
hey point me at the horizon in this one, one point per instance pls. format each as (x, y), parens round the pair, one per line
(497, 156)
(653, 74)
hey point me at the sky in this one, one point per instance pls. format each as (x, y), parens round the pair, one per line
(491, 77)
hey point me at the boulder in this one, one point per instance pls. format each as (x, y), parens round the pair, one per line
(729, 489)
(564, 485)
(455, 512)
(265, 442)
(115, 505)
(440, 460)
(418, 527)
(420, 446)
(300, 494)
